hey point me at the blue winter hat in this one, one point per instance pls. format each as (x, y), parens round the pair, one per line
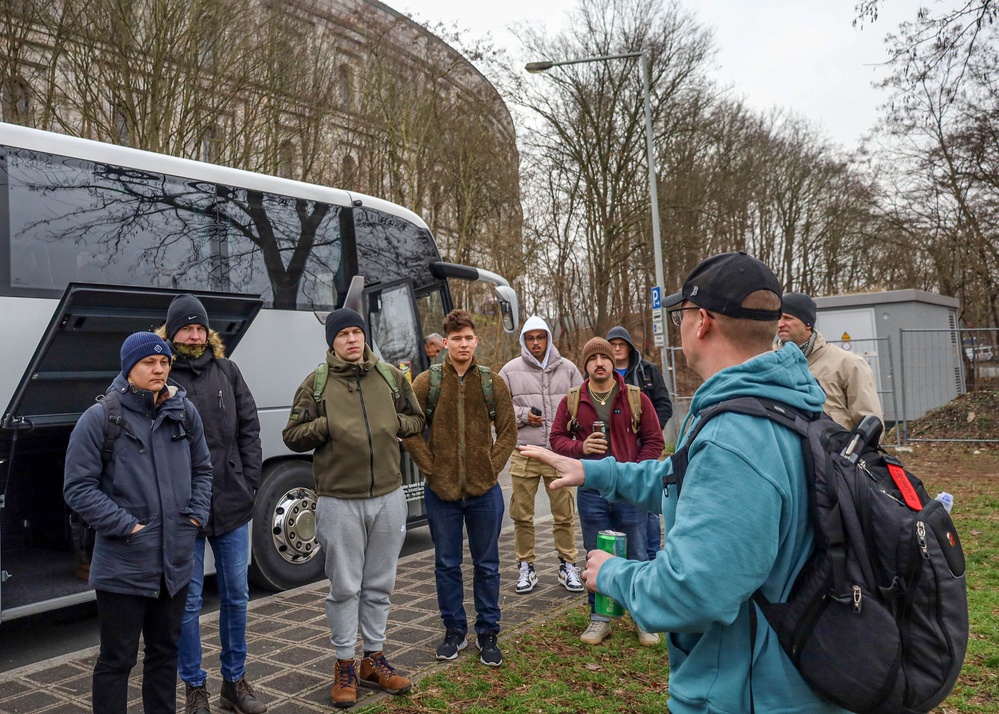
(140, 345)
(342, 319)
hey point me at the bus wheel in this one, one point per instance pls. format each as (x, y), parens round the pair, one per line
(285, 551)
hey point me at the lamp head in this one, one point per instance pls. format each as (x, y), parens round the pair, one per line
(538, 67)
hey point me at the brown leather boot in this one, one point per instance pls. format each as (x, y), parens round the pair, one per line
(377, 673)
(344, 692)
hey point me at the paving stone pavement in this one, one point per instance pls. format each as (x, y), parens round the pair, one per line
(290, 659)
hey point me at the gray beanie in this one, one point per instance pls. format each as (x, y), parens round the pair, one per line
(341, 319)
(185, 310)
(800, 306)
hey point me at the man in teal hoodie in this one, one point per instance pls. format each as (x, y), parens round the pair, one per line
(741, 522)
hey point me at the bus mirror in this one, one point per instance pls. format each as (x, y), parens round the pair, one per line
(507, 300)
(356, 298)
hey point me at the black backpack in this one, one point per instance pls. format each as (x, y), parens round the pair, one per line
(113, 424)
(877, 620)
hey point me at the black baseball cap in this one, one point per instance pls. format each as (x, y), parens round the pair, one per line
(722, 282)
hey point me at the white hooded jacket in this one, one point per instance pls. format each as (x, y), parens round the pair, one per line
(540, 384)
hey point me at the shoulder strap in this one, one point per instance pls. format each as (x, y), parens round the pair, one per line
(226, 367)
(386, 373)
(486, 377)
(753, 406)
(635, 402)
(319, 381)
(189, 419)
(436, 376)
(112, 424)
(572, 405)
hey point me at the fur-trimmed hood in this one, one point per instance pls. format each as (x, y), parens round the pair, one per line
(214, 341)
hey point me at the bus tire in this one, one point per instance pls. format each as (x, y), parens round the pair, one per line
(285, 553)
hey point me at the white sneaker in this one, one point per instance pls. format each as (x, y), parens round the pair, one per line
(527, 578)
(595, 633)
(647, 639)
(568, 575)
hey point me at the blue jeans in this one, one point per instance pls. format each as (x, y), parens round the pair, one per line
(482, 517)
(654, 536)
(596, 514)
(232, 556)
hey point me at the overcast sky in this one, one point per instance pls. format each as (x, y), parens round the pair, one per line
(801, 55)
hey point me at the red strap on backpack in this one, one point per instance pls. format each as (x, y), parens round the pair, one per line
(902, 482)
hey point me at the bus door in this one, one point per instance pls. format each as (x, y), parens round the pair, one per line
(397, 338)
(76, 360)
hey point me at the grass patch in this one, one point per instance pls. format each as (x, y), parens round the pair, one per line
(546, 669)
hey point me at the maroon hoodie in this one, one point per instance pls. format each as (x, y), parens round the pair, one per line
(624, 443)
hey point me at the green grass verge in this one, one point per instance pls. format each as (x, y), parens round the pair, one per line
(547, 669)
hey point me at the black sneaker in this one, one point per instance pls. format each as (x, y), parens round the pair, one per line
(489, 651)
(454, 642)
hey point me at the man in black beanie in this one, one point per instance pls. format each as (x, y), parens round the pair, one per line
(362, 509)
(847, 379)
(232, 430)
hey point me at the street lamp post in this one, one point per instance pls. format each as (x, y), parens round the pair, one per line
(539, 67)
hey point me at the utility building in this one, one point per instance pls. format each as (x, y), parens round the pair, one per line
(911, 340)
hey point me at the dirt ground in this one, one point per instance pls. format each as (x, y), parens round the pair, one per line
(956, 466)
(971, 416)
(963, 470)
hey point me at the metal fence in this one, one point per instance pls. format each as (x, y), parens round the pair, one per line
(939, 365)
(929, 369)
(877, 352)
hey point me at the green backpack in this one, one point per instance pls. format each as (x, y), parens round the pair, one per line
(634, 402)
(323, 373)
(437, 376)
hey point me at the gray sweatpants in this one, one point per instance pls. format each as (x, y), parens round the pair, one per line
(362, 539)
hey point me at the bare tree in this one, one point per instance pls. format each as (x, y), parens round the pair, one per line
(594, 113)
(940, 141)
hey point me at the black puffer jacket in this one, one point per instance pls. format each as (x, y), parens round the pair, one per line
(646, 376)
(232, 430)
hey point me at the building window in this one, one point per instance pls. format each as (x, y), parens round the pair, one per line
(210, 145)
(286, 160)
(348, 172)
(119, 126)
(16, 101)
(346, 86)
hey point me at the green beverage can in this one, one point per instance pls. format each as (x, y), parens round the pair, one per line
(615, 543)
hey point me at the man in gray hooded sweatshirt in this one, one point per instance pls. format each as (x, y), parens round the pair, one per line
(538, 381)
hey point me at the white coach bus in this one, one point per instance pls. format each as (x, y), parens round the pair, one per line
(95, 240)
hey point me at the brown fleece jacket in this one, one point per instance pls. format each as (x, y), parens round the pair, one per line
(461, 460)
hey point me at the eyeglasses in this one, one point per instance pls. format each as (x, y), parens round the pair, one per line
(676, 314)
(531, 338)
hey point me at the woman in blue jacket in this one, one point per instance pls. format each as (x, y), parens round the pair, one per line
(145, 501)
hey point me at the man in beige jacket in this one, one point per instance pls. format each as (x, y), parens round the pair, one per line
(538, 380)
(846, 378)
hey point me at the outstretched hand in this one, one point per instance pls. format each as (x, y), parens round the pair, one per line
(570, 471)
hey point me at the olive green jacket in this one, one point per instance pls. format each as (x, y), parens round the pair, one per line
(461, 460)
(354, 429)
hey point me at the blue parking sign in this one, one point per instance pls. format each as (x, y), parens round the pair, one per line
(657, 297)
